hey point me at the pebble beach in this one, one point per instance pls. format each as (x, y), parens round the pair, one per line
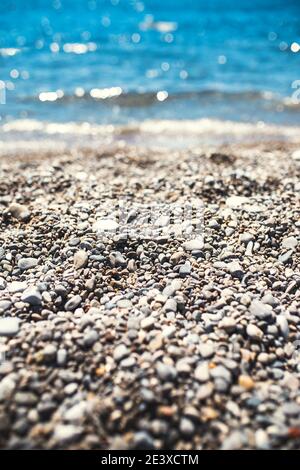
(163, 343)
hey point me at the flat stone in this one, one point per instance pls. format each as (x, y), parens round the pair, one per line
(196, 244)
(16, 286)
(27, 263)
(9, 326)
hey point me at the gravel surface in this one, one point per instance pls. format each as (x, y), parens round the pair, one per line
(162, 342)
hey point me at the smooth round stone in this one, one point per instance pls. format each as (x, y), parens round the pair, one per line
(27, 263)
(5, 305)
(16, 286)
(166, 372)
(290, 242)
(90, 338)
(206, 350)
(186, 427)
(9, 326)
(73, 303)
(254, 332)
(202, 372)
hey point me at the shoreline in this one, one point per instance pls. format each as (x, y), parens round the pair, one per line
(150, 344)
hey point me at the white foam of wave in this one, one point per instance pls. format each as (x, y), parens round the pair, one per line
(150, 133)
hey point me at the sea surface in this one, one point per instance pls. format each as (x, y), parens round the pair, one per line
(124, 62)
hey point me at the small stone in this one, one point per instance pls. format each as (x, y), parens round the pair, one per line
(124, 303)
(254, 332)
(166, 372)
(26, 398)
(285, 257)
(233, 442)
(32, 296)
(185, 269)
(202, 372)
(27, 263)
(76, 413)
(170, 305)
(5, 305)
(121, 352)
(80, 259)
(7, 387)
(246, 382)
(147, 323)
(16, 286)
(205, 391)
(220, 372)
(186, 427)
(290, 243)
(228, 324)
(236, 202)
(260, 310)
(206, 350)
(19, 212)
(235, 269)
(67, 433)
(61, 357)
(73, 303)
(283, 325)
(9, 326)
(262, 440)
(128, 363)
(143, 440)
(169, 331)
(49, 352)
(196, 244)
(90, 338)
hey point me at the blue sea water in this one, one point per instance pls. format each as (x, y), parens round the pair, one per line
(118, 61)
